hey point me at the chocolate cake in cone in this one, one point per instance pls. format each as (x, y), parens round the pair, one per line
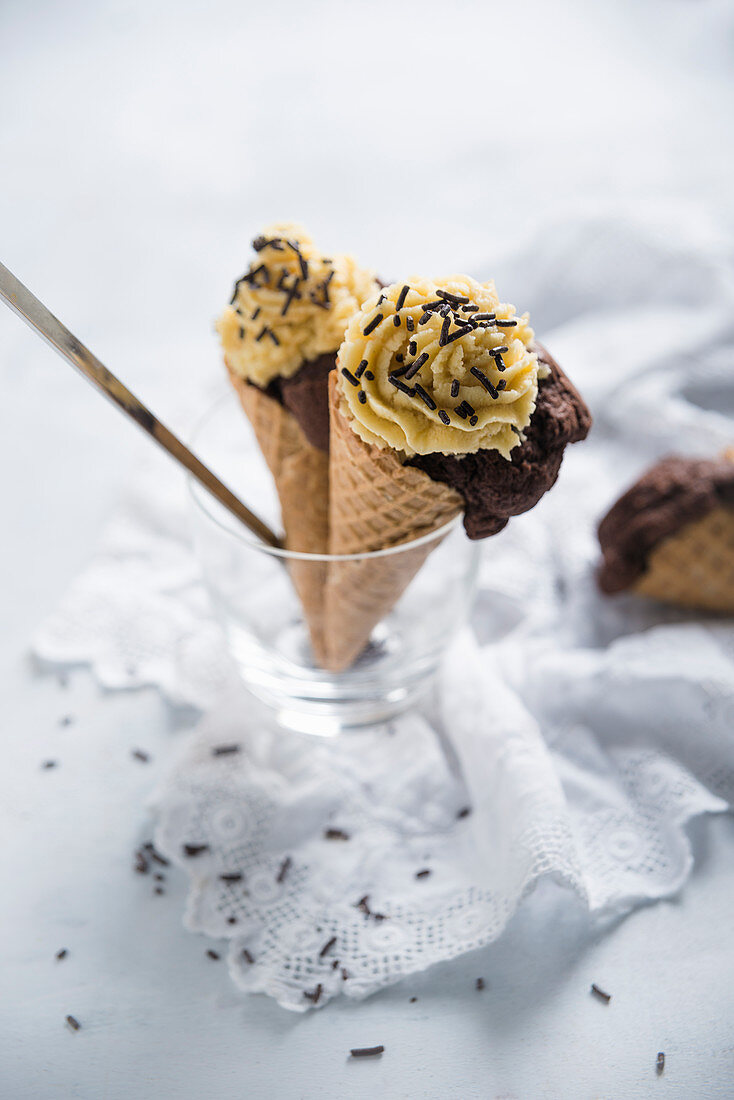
(434, 410)
(670, 537)
(280, 334)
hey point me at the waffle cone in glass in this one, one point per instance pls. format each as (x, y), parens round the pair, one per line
(301, 475)
(375, 503)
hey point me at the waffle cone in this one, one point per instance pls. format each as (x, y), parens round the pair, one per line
(301, 475)
(374, 503)
(695, 566)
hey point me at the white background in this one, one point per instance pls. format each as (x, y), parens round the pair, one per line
(141, 147)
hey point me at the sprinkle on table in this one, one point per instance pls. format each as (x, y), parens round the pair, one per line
(226, 750)
(605, 997)
(139, 754)
(366, 1052)
(284, 869)
(61, 954)
(315, 996)
(423, 874)
(327, 947)
(479, 984)
(73, 1023)
(247, 956)
(660, 1063)
(231, 877)
(463, 812)
(213, 954)
(335, 834)
(48, 764)
(192, 850)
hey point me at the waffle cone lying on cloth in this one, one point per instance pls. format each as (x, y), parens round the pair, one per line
(280, 334)
(441, 404)
(671, 535)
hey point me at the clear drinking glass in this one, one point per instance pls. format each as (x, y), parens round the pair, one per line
(252, 589)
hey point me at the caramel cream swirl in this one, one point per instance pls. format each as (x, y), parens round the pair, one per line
(439, 367)
(292, 304)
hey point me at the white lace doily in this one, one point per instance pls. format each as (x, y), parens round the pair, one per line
(583, 733)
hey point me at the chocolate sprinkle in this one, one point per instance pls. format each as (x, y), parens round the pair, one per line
(660, 1063)
(505, 324)
(412, 347)
(413, 1000)
(231, 920)
(61, 954)
(213, 955)
(366, 1052)
(484, 316)
(473, 420)
(226, 750)
(49, 764)
(234, 876)
(409, 324)
(141, 863)
(247, 956)
(443, 417)
(480, 984)
(416, 365)
(456, 299)
(423, 874)
(463, 812)
(361, 368)
(154, 855)
(401, 297)
(455, 388)
(484, 380)
(73, 1023)
(327, 947)
(242, 333)
(345, 974)
(399, 385)
(425, 397)
(363, 904)
(256, 314)
(159, 890)
(369, 375)
(605, 997)
(138, 754)
(314, 997)
(424, 317)
(396, 320)
(350, 377)
(335, 834)
(372, 325)
(284, 869)
(195, 849)
(362, 397)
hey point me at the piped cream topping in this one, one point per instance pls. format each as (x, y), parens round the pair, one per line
(292, 304)
(439, 366)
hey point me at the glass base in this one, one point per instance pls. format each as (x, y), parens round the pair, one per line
(308, 699)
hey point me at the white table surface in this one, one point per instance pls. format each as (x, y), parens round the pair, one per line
(142, 145)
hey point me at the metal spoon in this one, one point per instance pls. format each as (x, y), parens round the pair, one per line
(35, 314)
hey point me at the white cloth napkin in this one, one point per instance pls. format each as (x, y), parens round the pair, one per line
(581, 733)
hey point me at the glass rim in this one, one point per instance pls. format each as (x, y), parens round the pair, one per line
(203, 502)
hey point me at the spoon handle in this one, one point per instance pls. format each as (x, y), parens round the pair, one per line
(50, 329)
